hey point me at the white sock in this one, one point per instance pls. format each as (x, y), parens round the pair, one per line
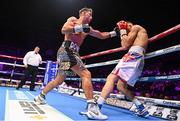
(100, 100)
(43, 93)
(136, 101)
(89, 103)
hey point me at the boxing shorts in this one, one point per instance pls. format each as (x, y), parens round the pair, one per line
(68, 56)
(130, 67)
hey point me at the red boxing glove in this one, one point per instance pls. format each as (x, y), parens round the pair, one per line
(122, 25)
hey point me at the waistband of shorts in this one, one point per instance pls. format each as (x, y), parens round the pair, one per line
(32, 66)
(137, 49)
(71, 45)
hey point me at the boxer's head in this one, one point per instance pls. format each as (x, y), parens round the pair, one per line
(130, 24)
(86, 15)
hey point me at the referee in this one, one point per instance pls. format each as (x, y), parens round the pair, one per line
(31, 61)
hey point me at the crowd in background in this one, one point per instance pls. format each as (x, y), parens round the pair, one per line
(166, 89)
(162, 89)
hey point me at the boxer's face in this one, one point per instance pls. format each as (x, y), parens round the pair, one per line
(129, 26)
(87, 16)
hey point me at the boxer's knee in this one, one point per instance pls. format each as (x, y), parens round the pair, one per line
(58, 80)
(86, 80)
(121, 85)
(86, 75)
(111, 78)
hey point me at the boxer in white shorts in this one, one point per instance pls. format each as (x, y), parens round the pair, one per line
(129, 68)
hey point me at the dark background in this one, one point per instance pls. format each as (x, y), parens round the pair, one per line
(27, 23)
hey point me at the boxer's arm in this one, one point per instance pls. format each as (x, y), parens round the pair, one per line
(68, 27)
(101, 35)
(71, 28)
(128, 40)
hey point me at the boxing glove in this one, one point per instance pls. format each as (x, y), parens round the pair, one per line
(115, 32)
(122, 25)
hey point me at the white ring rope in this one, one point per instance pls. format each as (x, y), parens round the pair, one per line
(142, 79)
(15, 73)
(18, 65)
(148, 55)
(13, 80)
(13, 57)
(144, 99)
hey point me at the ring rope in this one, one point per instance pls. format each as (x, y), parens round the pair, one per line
(14, 57)
(13, 80)
(142, 79)
(154, 101)
(165, 33)
(18, 65)
(152, 39)
(148, 55)
(15, 73)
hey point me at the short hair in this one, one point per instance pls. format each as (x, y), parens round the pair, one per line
(37, 47)
(129, 22)
(84, 10)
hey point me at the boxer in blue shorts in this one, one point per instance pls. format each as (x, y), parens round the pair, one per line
(129, 68)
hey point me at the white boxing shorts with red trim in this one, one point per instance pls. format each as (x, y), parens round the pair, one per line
(130, 67)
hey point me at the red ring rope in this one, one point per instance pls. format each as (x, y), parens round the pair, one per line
(11, 57)
(152, 39)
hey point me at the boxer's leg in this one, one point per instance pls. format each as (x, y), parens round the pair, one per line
(123, 87)
(107, 89)
(40, 99)
(85, 75)
(93, 111)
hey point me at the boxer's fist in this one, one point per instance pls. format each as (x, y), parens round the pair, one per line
(122, 25)
(116, 29)
(115, 32)
(86, 28)
(82, 28)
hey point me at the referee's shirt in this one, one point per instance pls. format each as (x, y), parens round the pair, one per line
(32, 58)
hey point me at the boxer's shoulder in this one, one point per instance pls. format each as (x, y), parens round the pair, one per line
(72, 18)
